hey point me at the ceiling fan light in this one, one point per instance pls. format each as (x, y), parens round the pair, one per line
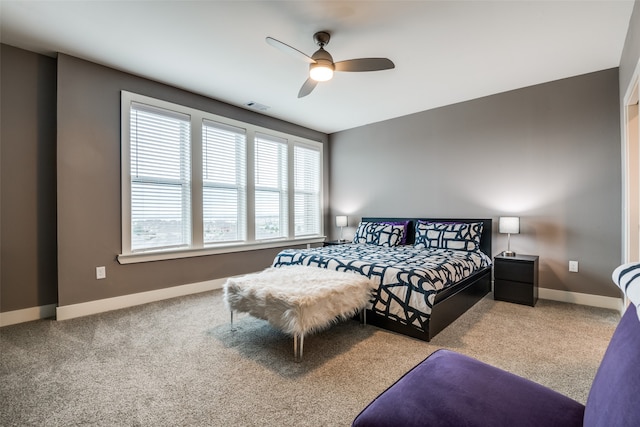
(320, 72)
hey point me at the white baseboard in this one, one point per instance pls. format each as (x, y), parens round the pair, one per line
(100, 306)
(108, 304)
(27, 314)
(582, 299)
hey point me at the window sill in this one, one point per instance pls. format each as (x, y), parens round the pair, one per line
(188, 253)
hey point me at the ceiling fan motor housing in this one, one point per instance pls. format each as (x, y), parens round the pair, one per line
(321, 38)
(322, 55)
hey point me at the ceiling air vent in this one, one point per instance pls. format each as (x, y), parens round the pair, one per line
(256, 106)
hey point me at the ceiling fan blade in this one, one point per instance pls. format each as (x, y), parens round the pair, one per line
(307, 87)
(364, 64)
(289, 50)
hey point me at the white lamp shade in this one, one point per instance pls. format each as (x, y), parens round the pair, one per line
(341, 221)
(509, 224)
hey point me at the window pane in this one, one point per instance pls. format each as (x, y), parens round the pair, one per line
(221, 215)
(307, 169)
(158, 147)
(224, 153)
(271, 162)
(157, 219)
(307, 215)
(269, 223)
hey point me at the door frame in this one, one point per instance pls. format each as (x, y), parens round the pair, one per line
(631, 170)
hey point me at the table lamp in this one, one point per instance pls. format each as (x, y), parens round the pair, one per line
(509, 225)
(341, 221)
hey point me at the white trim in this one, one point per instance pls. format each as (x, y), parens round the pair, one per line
(27, 314)
(218, 249)
(197, 246)
(108, 304)
(630, 98)
(581, 299)
(100, 306)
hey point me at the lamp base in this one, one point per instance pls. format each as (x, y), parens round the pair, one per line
(508, 253)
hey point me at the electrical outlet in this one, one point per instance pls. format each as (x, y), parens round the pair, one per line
(573, 266)
(101, 273)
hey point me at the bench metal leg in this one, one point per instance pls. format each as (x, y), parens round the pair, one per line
(363, 317)
(298, 344)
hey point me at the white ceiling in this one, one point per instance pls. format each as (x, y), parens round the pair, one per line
(445, 51)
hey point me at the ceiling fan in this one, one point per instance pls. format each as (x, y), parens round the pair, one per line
(321, 65)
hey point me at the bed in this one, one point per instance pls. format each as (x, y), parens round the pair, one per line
(417, 293)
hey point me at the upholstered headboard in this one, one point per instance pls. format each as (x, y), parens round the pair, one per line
(485, 239)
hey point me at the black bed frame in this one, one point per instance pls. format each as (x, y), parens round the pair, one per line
(451, 302)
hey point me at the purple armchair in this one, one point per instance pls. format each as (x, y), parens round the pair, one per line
(450, 389)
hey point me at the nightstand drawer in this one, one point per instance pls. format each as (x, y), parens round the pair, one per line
(518, 292)
(514, 270)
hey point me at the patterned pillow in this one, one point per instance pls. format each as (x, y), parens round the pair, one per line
(448, 235)
(405, 226)
(379, 234)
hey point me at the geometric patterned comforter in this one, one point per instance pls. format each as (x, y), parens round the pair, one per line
(407, 278)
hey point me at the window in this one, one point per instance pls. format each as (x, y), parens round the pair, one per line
(160, 179)
(224, 192)
(307, 173)
(194, 183)
(271, 187)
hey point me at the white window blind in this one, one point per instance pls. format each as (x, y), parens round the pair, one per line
(160, 178)
(307, 174)
(271, 197)
(224, 192)
(195, 183)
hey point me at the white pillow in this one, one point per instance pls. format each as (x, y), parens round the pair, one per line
(627, 277)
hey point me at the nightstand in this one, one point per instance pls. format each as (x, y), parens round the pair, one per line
(516, 279)
(336, 242)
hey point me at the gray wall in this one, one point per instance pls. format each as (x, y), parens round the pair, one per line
(548, 153)
(631, 50)
(28, 180)
(89, 187)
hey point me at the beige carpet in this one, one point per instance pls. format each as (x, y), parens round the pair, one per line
(176, 363)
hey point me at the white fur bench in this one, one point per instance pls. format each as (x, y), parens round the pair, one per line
(298, 300)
